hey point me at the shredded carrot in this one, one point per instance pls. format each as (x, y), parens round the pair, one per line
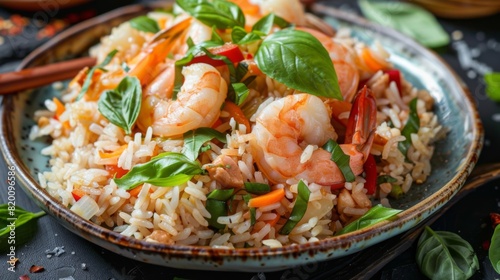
(274, 221)
(267, 199)
(236, 112)
(162, 23)
(135, 191)
(114, 154)
(253, 68)
(370, 61)
(59, 106)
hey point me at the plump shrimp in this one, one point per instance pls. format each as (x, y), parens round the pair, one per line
(197, 104)
(288, 125)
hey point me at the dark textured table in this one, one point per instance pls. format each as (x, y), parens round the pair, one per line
(475, 49)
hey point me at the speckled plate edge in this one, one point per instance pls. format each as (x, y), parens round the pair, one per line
(76, 39)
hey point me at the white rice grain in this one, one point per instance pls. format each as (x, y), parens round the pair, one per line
(273, 243)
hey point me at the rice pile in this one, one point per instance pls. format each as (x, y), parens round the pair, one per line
(177, 215)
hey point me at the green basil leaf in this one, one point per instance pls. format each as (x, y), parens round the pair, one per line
(412, 126)
(22, 222)
(407, 18)
(257, 188)
(492, 81)
(90, 74)
(252, 210)
(145, 23)
(298, 60)
(445, 255)
(494, 251)
(221, 195)
(216, 38)
(385, 179)
(166, 170)
(340, 158)
(241, 37)
(216, 208)
(241, 92)
(299, 208)
(222, 14)
(376, 214)
(265, 24)
(121, 106)
(194, 140)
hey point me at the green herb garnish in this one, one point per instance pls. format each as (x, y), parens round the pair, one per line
(222, 14)
(194, 140)
(299, 209)
(407, 18)
(122, 105)
(165, 170)
(412, 126)
(145, 23)
(216, 205)
(376, 214)
(340, 158)
(21, 222)
(90, 74)
(492, 81)
(445, 255)
(296, 58)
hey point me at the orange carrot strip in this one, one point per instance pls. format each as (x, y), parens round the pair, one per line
(135, 191)
(59, 106)
(370, 61)
(274, 221)
(267, 199)
(236, 112)
(77, 194)
(115, 153)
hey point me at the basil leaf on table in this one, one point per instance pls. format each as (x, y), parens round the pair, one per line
(410, 19)
(340, 158)
(412, 126)
(445, 255)
(494, 251)
(21, 221)
(492, 81)
(121, 106)
(298, 60)
(194, 139)
(299, 208)
(165, 170)
(376, 214)
(145, 23)
(90, 74)
(222, 14)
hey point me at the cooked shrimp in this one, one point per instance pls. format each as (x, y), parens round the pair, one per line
(197, 104)
(286, 126)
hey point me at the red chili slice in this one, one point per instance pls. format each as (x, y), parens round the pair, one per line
(231, 51)
(395, 76)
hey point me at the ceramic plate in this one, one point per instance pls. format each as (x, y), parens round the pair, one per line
(454, 157)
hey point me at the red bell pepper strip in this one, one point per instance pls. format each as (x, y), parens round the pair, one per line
(370, 168)
(231, 51)
(115, 171)
(395, 76)
(77, 194)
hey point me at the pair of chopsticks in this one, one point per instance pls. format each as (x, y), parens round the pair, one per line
(16, 81)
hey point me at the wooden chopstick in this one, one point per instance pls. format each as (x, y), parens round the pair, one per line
(12, 82)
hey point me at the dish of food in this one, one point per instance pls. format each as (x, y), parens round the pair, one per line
(244, 159)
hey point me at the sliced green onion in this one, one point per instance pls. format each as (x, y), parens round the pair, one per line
(252, 210)
(411, 127)
(340, 159)
(257, 188)
(299, 209)
(90, 74)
